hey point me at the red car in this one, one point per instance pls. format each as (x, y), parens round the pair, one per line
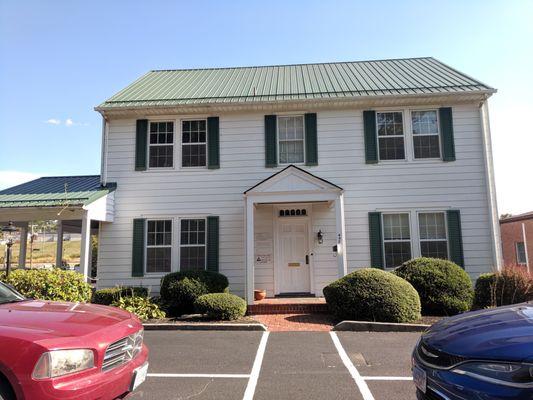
(53, 350)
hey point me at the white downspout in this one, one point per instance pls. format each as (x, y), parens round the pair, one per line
(103, 161)
(491, 186)
(524, 239)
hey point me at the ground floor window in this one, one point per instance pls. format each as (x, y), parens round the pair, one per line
(433, 240)
(396, 239)
(159, 246)
(192, 244)
(521, 253)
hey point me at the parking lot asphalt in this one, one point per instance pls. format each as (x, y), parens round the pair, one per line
(278, 365)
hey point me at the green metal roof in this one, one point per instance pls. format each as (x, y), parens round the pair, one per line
(55, 191)
(294, 82)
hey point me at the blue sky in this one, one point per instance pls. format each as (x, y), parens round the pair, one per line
(59, 59)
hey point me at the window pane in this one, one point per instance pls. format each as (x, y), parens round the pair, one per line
(158, 259)
(424, 122)
(432, 226)
(159, 233)
(161, 156)
(396, 226)
(434, 249)
(426, 146)
(391, 148)
(161, 132)
(390, 123)
(192, 231)
(291, 139)
(192, 258)
(291, 151)
(397, 253)
(194, 155)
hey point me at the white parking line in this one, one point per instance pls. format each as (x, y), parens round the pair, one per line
(254, 375)
(387, 378)
(359, 381)
(225, 376)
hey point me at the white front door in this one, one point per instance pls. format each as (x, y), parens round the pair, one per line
(293, 244)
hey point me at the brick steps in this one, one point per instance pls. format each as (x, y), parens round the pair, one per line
(288, 307)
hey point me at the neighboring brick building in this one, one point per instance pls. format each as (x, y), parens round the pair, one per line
(517, 240)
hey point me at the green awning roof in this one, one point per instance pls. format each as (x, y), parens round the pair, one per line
(55, 191)
(423, 76)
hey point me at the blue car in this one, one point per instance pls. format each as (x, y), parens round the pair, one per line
(480, 355)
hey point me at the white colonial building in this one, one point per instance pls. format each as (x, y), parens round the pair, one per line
(285, 178)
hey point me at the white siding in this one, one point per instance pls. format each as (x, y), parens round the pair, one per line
(385, 186)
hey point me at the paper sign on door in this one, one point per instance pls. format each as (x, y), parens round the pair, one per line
(294, 264)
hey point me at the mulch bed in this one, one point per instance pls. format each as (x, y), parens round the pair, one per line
(199, 319)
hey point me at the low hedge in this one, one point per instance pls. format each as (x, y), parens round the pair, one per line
(141, 306)
(510, 286)
(371, 294)
(221, 306)
(444, 287)
(50, 284)
(109, 295)
(179, 290)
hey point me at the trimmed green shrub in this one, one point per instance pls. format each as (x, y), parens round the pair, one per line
(179, 290)
(50, 284)
(510, 286)
(371, 294)
(109, 295)
(141, 306)
(444, 287)
(221, 306)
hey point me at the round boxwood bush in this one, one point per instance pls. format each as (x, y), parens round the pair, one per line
(141, 306)
(109, 295)
(371, 294)
(221, 306)
(444, 287)
(179, 290)
(50, 284)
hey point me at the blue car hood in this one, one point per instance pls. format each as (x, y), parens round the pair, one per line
(503, 333)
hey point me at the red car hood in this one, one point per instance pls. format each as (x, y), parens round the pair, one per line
(36, 320)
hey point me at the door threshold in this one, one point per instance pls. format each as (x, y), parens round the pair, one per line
(295, 294)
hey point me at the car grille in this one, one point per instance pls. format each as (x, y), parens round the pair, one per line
(122, 351)
(437, 358)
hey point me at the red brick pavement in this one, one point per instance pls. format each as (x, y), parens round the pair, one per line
(296, 322)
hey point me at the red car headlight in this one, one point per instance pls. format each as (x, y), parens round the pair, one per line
(63, 362)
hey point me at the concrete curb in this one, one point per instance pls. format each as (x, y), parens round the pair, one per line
(366, 326)
(205, 327)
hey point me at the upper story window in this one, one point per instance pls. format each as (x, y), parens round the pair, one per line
(158, 246)
(521, 253)
(192, 244)
(433, 239)
(425, 134)
(194, 143)
(396, 239)
(390, 135)
(291, 139)
(161, 145)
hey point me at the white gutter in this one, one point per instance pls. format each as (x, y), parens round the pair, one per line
(491, 187)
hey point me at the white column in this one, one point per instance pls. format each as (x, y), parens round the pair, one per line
(23, 245)
(85, 244)
(249, 251)
(59, 248)
(342, 268)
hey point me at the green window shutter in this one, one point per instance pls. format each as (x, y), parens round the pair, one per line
(376, 253)
(446, 133)
(141, 139)
(213, 143)
(311, 141)
(212, 243)
(271, 152)
(455, 237)
(371, 144)
(137, 255)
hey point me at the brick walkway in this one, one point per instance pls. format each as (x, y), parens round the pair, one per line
(296, 322)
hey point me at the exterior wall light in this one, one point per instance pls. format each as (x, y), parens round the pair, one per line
(320, 237)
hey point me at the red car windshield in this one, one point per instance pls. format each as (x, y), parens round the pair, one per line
(8, 295)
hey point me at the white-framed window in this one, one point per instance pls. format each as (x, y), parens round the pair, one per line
(521, 253)
(432, 234)
(396, 239)
(194, 143)
(291, 139)
(426, 136)
(192, 244)
(391, 138)
(158, 246)
(161, 145)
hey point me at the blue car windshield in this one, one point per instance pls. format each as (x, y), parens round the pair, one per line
(8, 295)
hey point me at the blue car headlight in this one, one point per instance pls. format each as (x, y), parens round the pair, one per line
(508, 374)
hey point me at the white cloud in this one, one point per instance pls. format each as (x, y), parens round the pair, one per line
(53, 121)
(69, 122)
(13, 178)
